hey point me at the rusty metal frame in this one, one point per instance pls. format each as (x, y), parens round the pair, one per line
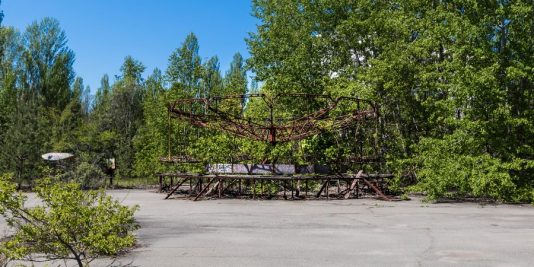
(272, 129)
(348, 185)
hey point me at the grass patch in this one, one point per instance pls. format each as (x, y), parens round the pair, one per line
(140, 182)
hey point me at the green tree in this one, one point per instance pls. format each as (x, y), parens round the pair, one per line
(127, 112)
(24, 142)
(69, 224)
(36, 78)
(436, 70)
(69, 120)
(101, 111)
(47, 63)
(283, 50)
(212, 82)
(151, 140)
(235, 81)
(102, 95)
(185, 66)
(98, 140)
(10, 51)
(155, 85)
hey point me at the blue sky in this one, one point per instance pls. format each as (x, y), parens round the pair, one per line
(103, 32)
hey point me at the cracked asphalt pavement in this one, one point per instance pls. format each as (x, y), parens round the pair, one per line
(357, 232)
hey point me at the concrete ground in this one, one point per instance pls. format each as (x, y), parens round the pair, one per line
(359, 232)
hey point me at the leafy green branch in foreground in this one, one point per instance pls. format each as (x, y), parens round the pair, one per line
(69, 223)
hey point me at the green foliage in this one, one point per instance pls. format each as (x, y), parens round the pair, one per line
(152, 139)
(212, 82)
(441, 73)
(162, 136)
(453, 167)
(69, 224)
(87, 175)
(235, 81)
(47, 63)
(24, 141)
(446, 172)
(450, 74)
(126, 108)
(185, 66)
(35, 114)
(284, 48)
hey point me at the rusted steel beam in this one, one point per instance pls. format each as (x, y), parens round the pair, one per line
(322, 188)
(327, 189)
(350, 183)
(282, 176)
(176, 188)
(206, 112)
(197, 186)
(377, 191)
(204, 190)
(230, 183)
(213, 188)
(285, 182)
(160, 182)
(353, 184)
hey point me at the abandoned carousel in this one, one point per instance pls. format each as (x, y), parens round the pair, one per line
(260, 146)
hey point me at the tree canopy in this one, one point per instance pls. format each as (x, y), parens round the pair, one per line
(455, 75)
(453, 80)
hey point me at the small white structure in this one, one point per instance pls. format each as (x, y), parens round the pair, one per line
(55, 156)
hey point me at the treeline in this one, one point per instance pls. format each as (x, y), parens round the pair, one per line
(44, 107)
(454, 80)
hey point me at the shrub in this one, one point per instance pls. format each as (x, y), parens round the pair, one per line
(69, 224)
(87, 175)
(445, 168)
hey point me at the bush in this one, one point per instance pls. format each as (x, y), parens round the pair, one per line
(87, 175)
(446, 169)
(69, 224)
